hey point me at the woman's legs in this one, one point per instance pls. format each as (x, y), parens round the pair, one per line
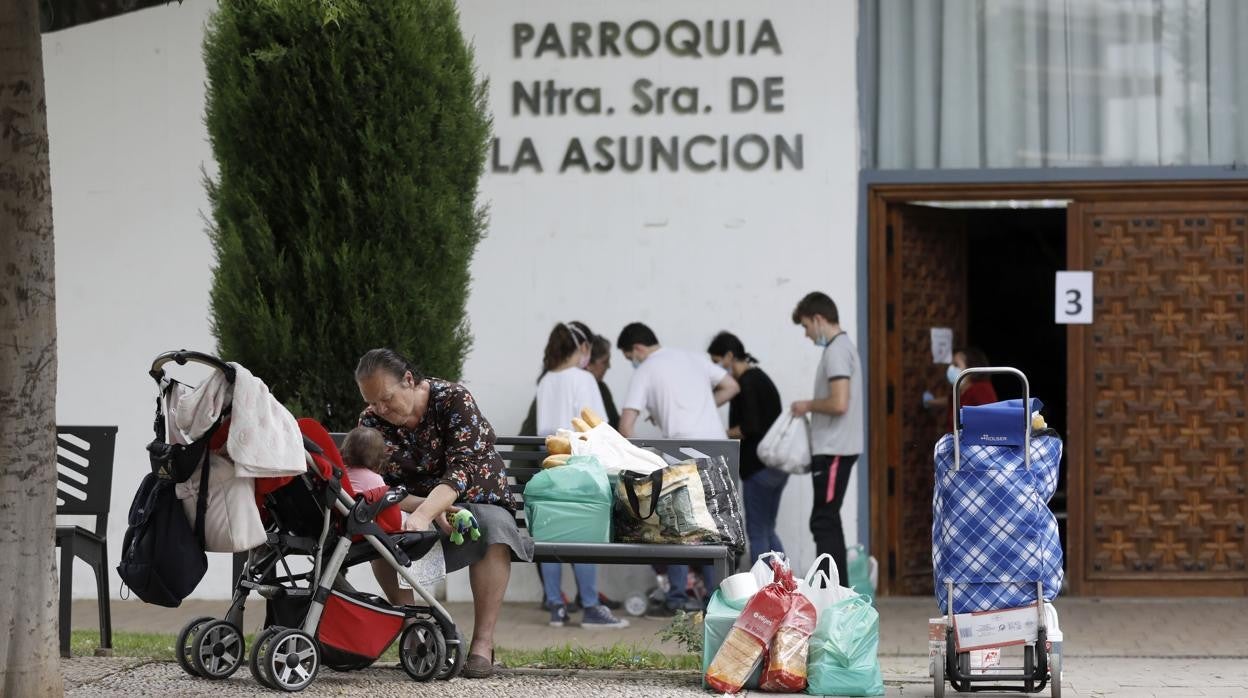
(587, 582)
(762, 492)
(388, 580)
(488, 578)
(552, 583)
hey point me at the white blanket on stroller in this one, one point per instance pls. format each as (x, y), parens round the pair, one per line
(264, 439)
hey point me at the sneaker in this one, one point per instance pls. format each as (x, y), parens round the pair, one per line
(558, 616)
(600, 617)
(661, 610)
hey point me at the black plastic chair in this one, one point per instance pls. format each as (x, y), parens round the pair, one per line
(84, 484)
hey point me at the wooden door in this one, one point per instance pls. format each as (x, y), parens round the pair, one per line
(1158, 500)
(925, 287)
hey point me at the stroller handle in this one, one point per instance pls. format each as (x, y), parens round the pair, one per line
(182, 356)
(957, 412)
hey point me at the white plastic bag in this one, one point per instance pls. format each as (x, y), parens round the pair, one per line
(823, 589)
(615, 452)
(762, 571)
(786, 445)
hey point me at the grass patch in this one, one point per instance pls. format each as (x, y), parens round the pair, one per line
(160, 646)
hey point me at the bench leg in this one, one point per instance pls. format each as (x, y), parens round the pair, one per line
(67, 586)
(102, 600)
(722, 566)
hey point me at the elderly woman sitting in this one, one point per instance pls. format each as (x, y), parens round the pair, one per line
(442, 448)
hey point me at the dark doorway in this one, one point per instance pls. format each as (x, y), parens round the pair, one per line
(1012, 259)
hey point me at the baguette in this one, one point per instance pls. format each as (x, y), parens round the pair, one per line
(556, 460)
(558, 445)
(580, 424)
(591, 417)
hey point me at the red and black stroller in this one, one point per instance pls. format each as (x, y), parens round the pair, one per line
(314, 529)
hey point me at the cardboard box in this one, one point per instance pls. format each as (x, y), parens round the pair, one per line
(984, 629)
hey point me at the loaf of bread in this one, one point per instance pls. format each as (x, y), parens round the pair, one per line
(786, 660)
(580, 424)
(558, 444)
(734, 662)
(556, 460)
(591, 417)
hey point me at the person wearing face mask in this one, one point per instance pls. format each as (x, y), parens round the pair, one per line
(836, 422)
(682, 391)
(975, 390)
(563, 390)
(750, 414)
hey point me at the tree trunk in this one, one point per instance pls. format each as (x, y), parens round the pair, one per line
(29, 658)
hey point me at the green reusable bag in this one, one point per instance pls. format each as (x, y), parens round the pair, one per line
(570, 503)
(720, 615)
(860, 571)
(844, 651)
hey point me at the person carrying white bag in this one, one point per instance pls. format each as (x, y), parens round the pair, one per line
(786, 445)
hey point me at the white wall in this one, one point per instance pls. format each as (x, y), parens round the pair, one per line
(687, 253)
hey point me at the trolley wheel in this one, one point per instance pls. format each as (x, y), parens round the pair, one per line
(454, 656)
(217, 650)
(1055, 675)
(259, 649)
(422, 650)
(938, 676)
(290, 660)
(635, 605)
(184, 643)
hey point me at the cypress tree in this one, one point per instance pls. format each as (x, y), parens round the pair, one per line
(349, 137)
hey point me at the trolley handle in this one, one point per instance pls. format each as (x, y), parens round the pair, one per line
(957, 411)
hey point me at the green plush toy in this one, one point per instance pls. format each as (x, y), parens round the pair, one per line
(464, 522)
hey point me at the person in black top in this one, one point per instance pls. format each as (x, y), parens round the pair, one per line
(750, 414)
(599, 362)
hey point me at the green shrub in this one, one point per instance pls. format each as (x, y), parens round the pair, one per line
(349, 137)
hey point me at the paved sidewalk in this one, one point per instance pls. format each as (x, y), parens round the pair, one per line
(1130, 628)
(1089, 677)
(1114, 647)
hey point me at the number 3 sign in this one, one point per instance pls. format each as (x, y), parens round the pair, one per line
(1073, 300)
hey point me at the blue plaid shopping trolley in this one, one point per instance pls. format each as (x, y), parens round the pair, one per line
(996, 554)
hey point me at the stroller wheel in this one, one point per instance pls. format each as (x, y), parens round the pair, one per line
(454, 656)
(291, 660)
(636, 605)
(259, 648)
(217, 650)
(184, 643)
(422, 650)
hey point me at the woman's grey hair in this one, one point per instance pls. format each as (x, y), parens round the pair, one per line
(387, 360)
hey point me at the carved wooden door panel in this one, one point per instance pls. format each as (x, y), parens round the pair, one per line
(1159, 484)
(926, 264)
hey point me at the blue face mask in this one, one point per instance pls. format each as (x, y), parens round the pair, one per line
(635, 362)
(821, 341)
(952, 373)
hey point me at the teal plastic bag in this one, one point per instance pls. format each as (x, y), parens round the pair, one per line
(570, 503)
(844, 651)
(720, 615)
(860, 571)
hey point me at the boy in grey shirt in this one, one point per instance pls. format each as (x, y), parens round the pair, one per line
(836, 416)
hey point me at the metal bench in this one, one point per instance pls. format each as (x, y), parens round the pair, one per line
(84, 485)
(524, 454)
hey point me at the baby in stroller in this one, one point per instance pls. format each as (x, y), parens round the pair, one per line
(364, 454)
(316, 527)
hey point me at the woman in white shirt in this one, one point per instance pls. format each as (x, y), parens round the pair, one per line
(563, 390)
